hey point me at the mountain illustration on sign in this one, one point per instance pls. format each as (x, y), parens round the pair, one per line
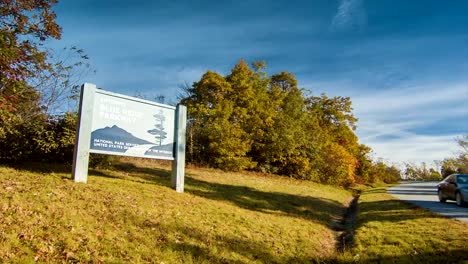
(158, 131)
(116, 139)
(114, 134)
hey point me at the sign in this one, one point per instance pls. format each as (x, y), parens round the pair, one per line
(128, 126)
(117, 124)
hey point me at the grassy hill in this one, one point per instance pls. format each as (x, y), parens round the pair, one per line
(132, 215)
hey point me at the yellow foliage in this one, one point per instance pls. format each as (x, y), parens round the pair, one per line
(338, 166)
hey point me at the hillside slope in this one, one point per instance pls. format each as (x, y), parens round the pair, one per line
(131, 214)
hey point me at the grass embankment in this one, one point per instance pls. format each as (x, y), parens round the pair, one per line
(132, 215)
(391, 231)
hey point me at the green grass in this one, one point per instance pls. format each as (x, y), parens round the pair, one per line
(130, 214)
(391, 231)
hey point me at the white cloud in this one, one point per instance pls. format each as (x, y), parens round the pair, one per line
(414, 148)
(135, 79)
(351, 15)
(407, 124)
(412, 98)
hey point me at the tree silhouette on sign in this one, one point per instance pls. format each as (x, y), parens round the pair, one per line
(158, 131)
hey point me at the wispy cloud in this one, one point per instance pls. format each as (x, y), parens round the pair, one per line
(416, 99)
(351, 15)
(148, 81)
(407, 122)
(398, 124)
(414, 148)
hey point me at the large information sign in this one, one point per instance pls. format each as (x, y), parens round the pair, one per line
(129, 126)
(121, 125)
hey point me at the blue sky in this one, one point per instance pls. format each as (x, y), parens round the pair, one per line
(403, 63)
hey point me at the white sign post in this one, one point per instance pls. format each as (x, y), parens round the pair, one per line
(116, 124)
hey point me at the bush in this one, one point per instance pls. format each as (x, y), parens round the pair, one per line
(42, 138)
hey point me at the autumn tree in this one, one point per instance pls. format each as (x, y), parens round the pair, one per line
(24, 25)
(286, 140)
(35, 84)
(219, 140)
(249, 120)
(341, 150)
(364, 165)
(459, 163)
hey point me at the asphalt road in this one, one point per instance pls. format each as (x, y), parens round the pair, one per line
(424, 194)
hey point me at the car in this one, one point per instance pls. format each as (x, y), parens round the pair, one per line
(454, 187)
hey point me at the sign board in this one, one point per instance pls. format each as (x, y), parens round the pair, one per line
(127, 126)
(117, 124)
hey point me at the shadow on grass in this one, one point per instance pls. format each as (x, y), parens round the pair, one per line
(100, 173)
(391, 211)
(134, 173)
(224, 249)
(211, 247)
(41, 167)
(307, 207)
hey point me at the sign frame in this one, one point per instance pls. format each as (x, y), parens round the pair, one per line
(84, 129)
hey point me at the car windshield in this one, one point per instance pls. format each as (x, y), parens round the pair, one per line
(462, 178)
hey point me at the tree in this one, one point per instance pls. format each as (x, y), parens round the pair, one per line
(392, 174)
(17, 130)
(454, 165)
(421, 172)
(463, 143)
(462, 159)
(216, 137)
(33, 82)
(458, 164)
(284, 141)
(340, 151)
(434, 175)
(364, 165)
(333, 112)
(24, 25)
(59, 85)
(338, 166)
(247, 120)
